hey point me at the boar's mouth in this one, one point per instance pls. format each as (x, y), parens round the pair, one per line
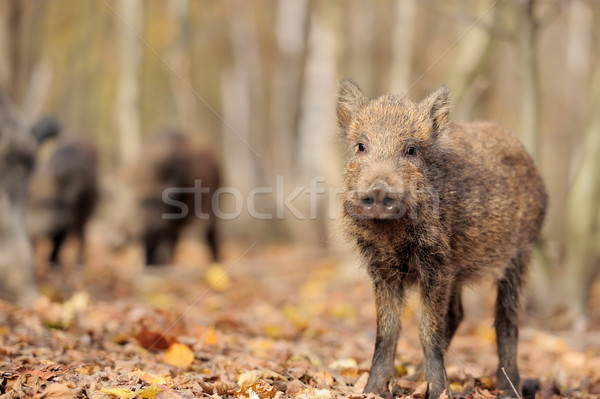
(378, 202)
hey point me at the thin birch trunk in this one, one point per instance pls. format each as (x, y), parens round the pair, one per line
(128, 95)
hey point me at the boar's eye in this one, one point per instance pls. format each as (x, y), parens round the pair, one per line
(411, 150)
(361, 147)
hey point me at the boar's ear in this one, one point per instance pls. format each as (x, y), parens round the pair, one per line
(350, 100)
(437, 107)
(45, 128)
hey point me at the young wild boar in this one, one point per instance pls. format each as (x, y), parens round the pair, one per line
(159, 201)
(17, 158)
(437, 205)
(63, 193)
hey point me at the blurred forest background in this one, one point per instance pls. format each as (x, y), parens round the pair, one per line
(259, 80)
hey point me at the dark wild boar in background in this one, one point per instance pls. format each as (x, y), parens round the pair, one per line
(160, 199)
(437, 205)
(63, 193)
(18, 149)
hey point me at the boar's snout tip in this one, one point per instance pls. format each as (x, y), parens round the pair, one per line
(378, 202)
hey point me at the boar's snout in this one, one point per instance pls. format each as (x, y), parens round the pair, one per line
(379, 202)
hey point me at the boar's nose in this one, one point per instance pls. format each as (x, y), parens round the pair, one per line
(379, 203)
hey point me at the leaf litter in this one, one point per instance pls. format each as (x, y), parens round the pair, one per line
(283, 323)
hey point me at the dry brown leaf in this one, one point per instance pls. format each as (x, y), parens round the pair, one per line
(294, 387)
(251, 377)
(46, 375)
(179, 355)
(420, 391)
(325, 377)
(261, 388)
(361, 383)
(56, 391)
(153, 340)
(219, 387)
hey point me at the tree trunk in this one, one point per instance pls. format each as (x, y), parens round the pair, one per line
(528, 73)
(10, 19)
(315, 124)
(290, 36)
(400, 70)
(127, 105)
(180, 60)
(473, 54)
(583, 204)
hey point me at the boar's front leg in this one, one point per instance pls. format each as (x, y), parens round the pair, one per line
(435, 296)
(388, 299)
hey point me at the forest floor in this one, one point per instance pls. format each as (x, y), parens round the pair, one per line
(277, 322)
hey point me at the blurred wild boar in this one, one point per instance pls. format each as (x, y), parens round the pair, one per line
(63, 194)
(18, 149)
(167, 191)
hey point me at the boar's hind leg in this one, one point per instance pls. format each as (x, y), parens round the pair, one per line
(454, 316)
(212, 240)
(507, 305)
(388, 299)
(57, 242)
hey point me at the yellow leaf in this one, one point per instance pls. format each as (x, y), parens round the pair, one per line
(150, 392)
(487, 382)
(211, 338)
(487, 333)
(119, 392)
(179, 355)
(457, 387)
(272, 330)
(216, 277)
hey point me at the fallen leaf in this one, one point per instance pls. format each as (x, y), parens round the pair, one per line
(421, 391)
(294, 387)
(361, 383)
(457, 387)
(325, 376)
(211, 338)
(179, 355)
(153, 340)
(46, 375)
(260, 388)
(217, 278)
(118, 392)
(56, 391)
(150, 392)
(149, 378)
(219, 387)
(343, 364)
(251, 377)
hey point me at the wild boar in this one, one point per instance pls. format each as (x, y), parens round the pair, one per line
(437, 205)
(63, 194)
(168, 189)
